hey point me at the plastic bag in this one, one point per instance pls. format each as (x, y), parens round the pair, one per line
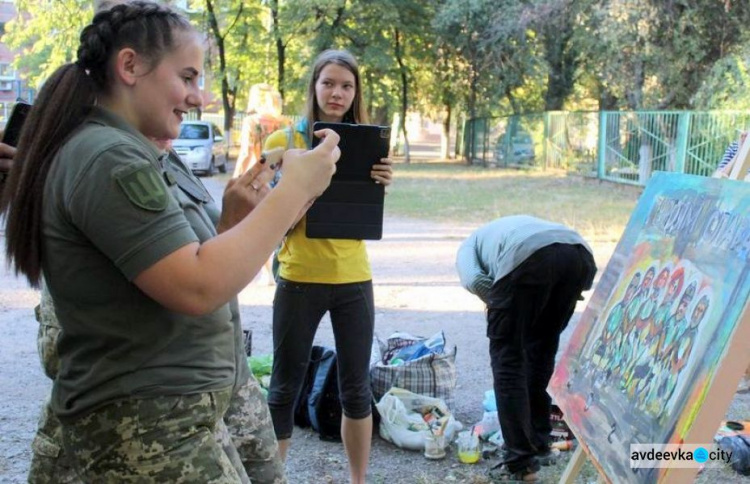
(260, 365)
(434, 344)
(489, 403)
(433, 373)
(488, 426)
(739, 446)
(402, 421)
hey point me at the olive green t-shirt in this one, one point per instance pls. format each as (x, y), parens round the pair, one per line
(108, 215)
(196, 203)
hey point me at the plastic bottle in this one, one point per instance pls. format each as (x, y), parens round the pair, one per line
(489, 403)
(563, 445)
(488, 426)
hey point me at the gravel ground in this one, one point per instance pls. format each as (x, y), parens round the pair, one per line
(416, 290)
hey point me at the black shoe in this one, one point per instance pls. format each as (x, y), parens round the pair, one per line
(501, 473)
(546, 458)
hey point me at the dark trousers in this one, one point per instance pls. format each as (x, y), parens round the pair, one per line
(297, 311)
(528, 310)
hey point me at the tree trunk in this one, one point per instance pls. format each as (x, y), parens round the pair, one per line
(607, 100)
(380, 116)
(228, 94)
(634, 95)
(370, 98)
(280, 47)
(470, 148)
(514, 105)
(445, 137)
(404, 94)
(562, 61)
(459, 133)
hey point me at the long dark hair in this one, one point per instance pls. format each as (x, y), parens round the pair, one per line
(61, 107)
(356, 113)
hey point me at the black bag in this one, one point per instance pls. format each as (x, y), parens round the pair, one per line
(739, 446)
(318, 405)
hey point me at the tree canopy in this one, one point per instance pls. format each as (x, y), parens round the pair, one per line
(444, 57)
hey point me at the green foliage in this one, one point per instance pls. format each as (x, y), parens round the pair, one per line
(476, 57)
(462, 28)
(234, 27)
(654, 54)
(47, 35)
(727, 86)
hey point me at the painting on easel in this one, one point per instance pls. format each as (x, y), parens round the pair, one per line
(658, 327)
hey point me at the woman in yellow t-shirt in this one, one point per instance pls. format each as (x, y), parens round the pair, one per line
(326, 275)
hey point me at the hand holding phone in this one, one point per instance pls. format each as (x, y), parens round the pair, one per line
(15, 123)
(7, 153)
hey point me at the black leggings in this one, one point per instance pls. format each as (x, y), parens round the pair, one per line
(297, 310)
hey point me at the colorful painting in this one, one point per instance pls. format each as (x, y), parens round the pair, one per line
(658, 326)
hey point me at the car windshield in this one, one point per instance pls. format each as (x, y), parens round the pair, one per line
(194, 131)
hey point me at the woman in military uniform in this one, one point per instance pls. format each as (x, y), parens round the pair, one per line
(142, 284)
(246, 432)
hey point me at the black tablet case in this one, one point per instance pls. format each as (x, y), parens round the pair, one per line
(352, 206)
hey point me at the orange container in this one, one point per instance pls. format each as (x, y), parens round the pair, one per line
(563, 445)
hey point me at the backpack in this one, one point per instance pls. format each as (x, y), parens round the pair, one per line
(318, 405)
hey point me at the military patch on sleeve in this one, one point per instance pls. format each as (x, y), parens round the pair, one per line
(144, 187)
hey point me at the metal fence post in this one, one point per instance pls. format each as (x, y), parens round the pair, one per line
(486, 142)
(510, 132)
(460, 130)
(546, 140)
(683, 131)
(601, 157)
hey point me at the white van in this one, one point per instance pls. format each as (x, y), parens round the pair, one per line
(201, 147)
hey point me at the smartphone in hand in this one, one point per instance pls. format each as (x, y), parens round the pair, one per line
(15, 123)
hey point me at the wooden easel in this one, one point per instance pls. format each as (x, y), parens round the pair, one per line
(574, 467)
(736, 169)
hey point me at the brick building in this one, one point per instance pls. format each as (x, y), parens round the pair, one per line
(11, 85)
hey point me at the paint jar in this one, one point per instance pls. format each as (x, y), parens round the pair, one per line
(468, 447)
(563, 445)
(434, 446)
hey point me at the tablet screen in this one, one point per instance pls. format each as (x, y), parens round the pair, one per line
(361, 145)
(352, 206)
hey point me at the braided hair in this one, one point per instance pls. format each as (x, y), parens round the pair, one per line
(146, 27)
(61, 107)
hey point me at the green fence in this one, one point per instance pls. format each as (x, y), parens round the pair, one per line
(620, 146)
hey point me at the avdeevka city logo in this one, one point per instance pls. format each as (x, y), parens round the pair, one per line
(700, 455)
(643, 456)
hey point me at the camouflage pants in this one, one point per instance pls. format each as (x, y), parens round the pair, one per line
(246, 432)
(49, 463)
(249, 423)
(145, 440)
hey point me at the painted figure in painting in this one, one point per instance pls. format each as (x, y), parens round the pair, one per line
(647, 332)
(612, 328)
(666, 374)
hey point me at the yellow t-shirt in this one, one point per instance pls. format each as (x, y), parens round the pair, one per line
(327, 261)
